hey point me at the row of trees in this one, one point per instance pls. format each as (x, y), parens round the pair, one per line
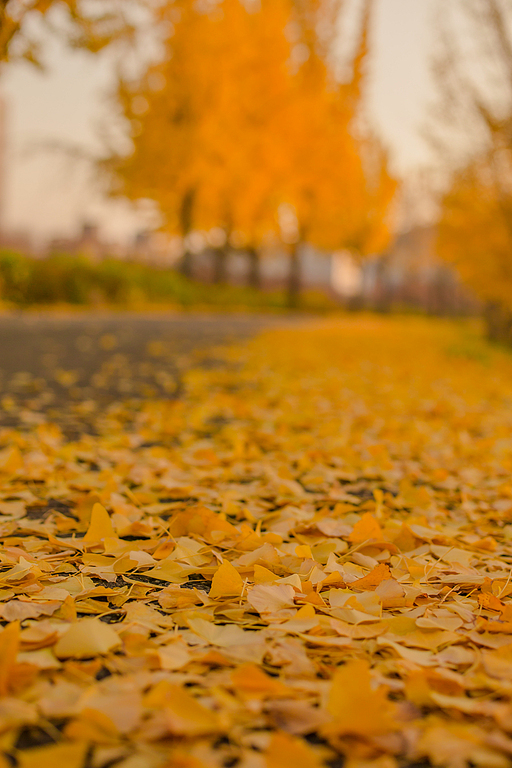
(243, 127)
(476, 220)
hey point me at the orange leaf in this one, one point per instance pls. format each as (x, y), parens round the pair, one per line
(379, 574)
(285, 751)
(356, 708)
(226, 581)
(9, 645)
(100, 527)
(252, 682)
(366, 528)
(86, 638)
(184, 715)
(67, 755)
(487, 600)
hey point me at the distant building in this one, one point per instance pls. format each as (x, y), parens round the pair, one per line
(155, 248)
(18, 242)
(410, 274)
(86, 243)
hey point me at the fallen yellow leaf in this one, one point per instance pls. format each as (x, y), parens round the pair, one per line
(100, 527)
(86, 638)
(285, 751)
(355, 706)
(226, 581)
(55, 756)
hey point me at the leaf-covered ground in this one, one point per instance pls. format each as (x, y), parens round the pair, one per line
(305, 559)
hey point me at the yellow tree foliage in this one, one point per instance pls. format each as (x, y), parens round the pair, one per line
(339, 182)
(202, 121)
(224, 133)
(240, 137)
(163, 113)
(90, 24)
(476, 233)
(475, 236)
(325, 181)
(475, 108)
(362, 187)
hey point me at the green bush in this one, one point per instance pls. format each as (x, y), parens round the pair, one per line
(65, 279)
(15, 274)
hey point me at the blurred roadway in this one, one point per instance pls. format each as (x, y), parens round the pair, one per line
(50, 363)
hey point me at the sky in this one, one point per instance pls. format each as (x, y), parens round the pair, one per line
(50, 194)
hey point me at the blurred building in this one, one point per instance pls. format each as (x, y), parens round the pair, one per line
(155, 248)
(86, 243)
(411, 275)
(18, 242)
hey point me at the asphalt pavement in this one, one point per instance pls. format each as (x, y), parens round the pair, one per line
(65, 366)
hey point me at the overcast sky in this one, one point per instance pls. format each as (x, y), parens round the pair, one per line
(51, 196)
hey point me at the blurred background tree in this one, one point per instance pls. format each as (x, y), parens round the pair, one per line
(476, 216)
(245, 116)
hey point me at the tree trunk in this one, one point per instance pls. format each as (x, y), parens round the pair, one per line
(384, 293)
(187, 265)
(254, 274)
(498, 320)
(185, 213)
(220, 264)
(294, 277)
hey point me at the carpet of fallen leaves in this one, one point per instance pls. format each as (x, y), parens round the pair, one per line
(303, 561)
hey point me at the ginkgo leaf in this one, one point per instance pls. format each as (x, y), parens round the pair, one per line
(9, 645)
(174, 656)
(184, 715)
(269, 599)
(70, 755)
(379, 574)
(366, 528)
(223, 636)
(100, 527)
(86, 638)
(285, 751)
(455, 746)
(170, 571)
(226, 581)
(251, 681)
(262, 575)
(17, 610)
(355, 707)
(303, 550)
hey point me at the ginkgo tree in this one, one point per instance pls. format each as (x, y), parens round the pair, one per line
(475, 233)
(162, 109)
(241, 157)
(475, 236)
(203, 121)
(339, 181)
(225, 135)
